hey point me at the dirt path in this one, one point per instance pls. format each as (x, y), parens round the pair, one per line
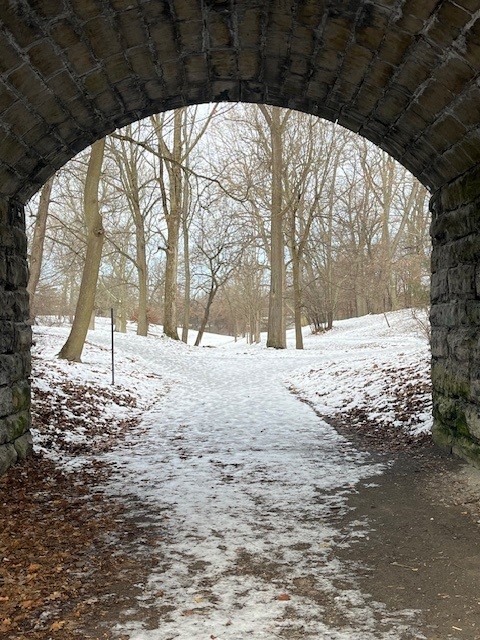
(424, 548)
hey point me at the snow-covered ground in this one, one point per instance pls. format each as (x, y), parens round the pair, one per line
(242, 478)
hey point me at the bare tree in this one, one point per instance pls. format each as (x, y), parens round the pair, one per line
(36, 253)
(173, 148)
(313, 151)
(276, 120)
(187, 215)
(219, 246)
(248, 295)
(73, 347)
(337, 227)
(128, 158)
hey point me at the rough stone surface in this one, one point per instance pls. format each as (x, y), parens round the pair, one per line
(8, 456)
(14, 426)
(24, 446)
(455, 316)
(402, 73)
(15, 339)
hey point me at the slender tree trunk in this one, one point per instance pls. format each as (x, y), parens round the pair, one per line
(175, 160)
(171, 271)
(297, 246)
(173, 231)
(211, 296)
(387, 180)
(121, 325)
(73, 347)
(297, 300)
(128, 160)
(142, 271)
(329, 260)
(142, 321)
(329, 295)
(36, 256)
(276, 313)
(257, 328)
(251, 328)
(186, 295)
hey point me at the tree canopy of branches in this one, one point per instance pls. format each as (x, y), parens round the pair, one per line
(237, 219)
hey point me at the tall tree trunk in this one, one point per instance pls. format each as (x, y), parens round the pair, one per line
(36, 256)
(276, 313)
(186, 295)
(297, 299)
(173, 220)
(386, 190)
(329, 276)
(127, 157)
(142, 320)
(121, 324)
(142, 270)
(175, 161)
(257, 328)
(73, 347)
(171, 271)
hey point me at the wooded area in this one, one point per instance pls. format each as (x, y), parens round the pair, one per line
(229, 218)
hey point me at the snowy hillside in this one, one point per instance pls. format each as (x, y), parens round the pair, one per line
(364, 369)
(372, 374)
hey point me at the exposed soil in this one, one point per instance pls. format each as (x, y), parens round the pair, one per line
(424, 549)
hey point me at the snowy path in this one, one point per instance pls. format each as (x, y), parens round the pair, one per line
(245, 483)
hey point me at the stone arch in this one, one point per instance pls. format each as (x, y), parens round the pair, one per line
(402, 73)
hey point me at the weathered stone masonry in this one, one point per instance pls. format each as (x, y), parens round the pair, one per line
(15, 338)
(455, 315)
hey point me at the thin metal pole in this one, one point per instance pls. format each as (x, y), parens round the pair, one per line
(113, 346)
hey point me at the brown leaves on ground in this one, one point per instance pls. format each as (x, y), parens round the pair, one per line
(375, 435)
(60, 562)
(409, 395)
(283, 597)
(78, 410)
(67, 567)
(385, 423)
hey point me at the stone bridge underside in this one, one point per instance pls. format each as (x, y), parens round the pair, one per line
(402, 73)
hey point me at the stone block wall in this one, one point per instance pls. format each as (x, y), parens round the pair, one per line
(455, 315)
(15, 338)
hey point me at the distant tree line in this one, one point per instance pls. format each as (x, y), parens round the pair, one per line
(229, 218)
